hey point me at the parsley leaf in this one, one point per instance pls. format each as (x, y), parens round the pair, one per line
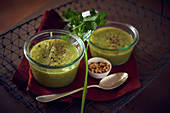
(82, 25)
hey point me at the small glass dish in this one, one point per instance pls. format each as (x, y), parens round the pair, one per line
(54, 76)
(99, 75)
(119, 55)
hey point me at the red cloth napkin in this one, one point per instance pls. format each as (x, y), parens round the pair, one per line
(24, 79)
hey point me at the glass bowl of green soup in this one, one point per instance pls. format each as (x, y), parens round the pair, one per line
(54, 56)
(114, 41)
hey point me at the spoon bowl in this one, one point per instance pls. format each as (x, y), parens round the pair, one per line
(107, 83)
(112, 81)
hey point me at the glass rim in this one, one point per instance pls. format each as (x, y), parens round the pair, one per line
(27, 42)
(130, 27)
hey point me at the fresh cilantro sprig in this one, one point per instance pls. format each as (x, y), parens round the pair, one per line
(80, 26)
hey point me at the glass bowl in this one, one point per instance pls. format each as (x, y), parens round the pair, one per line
(116, 56)
(54, 76)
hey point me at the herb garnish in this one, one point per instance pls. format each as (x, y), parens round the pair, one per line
(81, 26)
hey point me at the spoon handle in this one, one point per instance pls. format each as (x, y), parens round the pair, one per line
(51, 97)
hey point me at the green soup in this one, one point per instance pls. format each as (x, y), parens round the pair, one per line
(105, 39)
(54, 52)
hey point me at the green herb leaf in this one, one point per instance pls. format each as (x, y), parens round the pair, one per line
(102, 23)
(90, 25)
(103, 15)
(67, 14)
(92, 12)
(91, 18)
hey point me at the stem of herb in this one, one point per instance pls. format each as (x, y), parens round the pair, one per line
(79, 26)
(85, 81)
(86, 76)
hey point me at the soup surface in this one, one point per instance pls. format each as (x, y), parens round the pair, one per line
(54, 52)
